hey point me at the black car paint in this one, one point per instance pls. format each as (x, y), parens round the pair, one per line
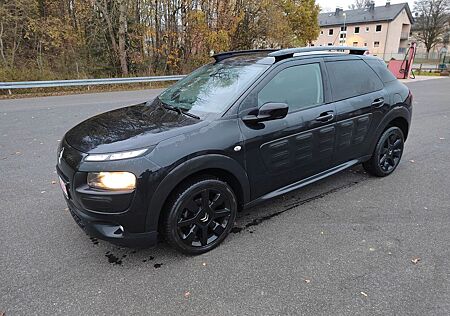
(275, 157)
(144, 124)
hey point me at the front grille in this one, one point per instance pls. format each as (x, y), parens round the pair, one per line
(71, 156)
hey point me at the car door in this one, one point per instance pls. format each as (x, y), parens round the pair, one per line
(282, 151)
(359, 97)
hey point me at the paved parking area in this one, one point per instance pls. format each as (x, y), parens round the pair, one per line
(345, 245)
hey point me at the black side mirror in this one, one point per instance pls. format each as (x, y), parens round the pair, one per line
(268, 112)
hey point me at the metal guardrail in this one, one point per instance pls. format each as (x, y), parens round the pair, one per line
(83, 82)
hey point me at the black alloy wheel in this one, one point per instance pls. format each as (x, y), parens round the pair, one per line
(391, 152)
(387, 154)
(201, 216)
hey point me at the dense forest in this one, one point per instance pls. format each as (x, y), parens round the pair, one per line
(62, 39)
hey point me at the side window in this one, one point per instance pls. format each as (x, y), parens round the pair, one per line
(351, 78)
(298, 86)
(381, 69)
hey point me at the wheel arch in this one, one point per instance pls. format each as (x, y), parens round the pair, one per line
(401, 123)
(223, 167)
(399, 117)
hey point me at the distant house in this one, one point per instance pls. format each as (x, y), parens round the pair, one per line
(436, 51)
(384, 30)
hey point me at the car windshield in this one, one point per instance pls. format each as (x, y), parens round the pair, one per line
(213, 87)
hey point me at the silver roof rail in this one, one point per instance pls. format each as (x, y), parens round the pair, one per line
(289, 52)
(281, 54)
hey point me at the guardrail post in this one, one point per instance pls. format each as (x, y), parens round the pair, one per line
(9, 91)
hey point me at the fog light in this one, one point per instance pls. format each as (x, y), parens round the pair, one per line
(112, 180)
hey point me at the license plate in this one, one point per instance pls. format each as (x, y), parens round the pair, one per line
(63, 187)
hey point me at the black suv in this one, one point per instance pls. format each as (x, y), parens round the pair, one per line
(245, 128)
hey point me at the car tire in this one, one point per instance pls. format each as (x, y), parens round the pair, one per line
(199, 215)
(387, 154)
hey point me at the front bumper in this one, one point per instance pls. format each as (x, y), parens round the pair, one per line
(111, 232)
(118, 217)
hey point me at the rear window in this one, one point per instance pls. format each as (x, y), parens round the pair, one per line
(381, 69)
(351, 78)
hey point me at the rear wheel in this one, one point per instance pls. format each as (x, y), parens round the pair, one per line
(199, 215)
(387, 153)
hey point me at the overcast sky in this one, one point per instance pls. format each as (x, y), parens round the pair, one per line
(330, 5)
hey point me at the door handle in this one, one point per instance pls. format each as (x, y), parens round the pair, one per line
(378, 102)
(325, 117)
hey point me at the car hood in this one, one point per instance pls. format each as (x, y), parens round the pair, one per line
(129, 128)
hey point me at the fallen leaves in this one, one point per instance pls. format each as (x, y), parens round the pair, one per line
(412, 161)
(187, 294)
(53, 182)
(364, 294)
(415, 260)
(307, 281)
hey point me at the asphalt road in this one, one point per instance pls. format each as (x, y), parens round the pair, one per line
(344, 245)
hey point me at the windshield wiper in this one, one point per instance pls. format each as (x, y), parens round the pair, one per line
(180, 111)
(185, 112)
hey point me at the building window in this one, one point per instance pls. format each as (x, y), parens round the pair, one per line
(376, 44)
(330, 44)
(343, 28)
(342, 35)
(378, 28)
(330, 32)
(312, 45)
(356, 29)
(321, 32)
(367, 29)
(355, 44)
(365, 44)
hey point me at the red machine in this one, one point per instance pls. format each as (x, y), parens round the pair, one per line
(402, 69)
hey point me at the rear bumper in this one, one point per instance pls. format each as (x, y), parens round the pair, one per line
(111, 232)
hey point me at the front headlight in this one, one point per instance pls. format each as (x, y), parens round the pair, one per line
(116, 156)
(112, 180)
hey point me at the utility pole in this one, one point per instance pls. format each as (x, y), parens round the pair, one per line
(344, 31)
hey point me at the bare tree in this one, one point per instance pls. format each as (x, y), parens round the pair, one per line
(118, 42)
(432, 21)
(359, 4)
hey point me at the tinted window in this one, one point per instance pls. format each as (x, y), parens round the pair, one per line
(351, 78)
(381, 69)
(298, 86)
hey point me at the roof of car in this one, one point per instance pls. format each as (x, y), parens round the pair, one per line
(270, 56)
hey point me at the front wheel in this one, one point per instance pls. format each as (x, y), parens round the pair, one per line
(387, 153)
(199, 215)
